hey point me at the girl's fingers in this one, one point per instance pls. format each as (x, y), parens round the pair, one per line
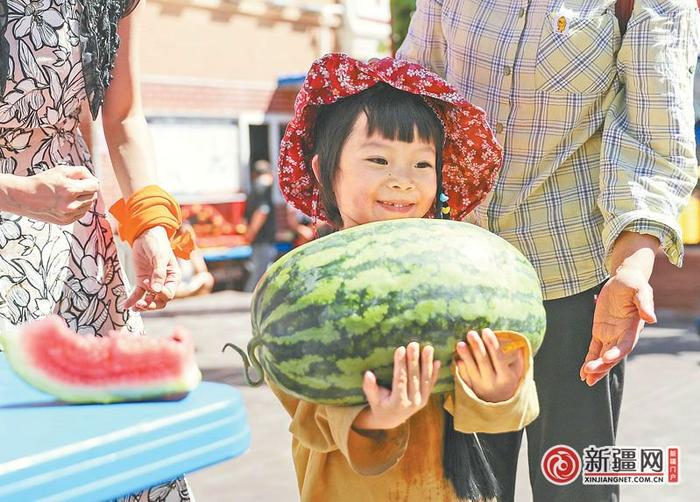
(480, 354)
(399, 385)
(371, 389)
(512, 355)
(466, 361)
(463, 373)
(414, 372)
(477, 345)
(516, 361)
(493, 347)
(463, 351)
(427, 372)
(436, 374)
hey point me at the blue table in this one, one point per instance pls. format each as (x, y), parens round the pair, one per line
(224, 254)
(239, 252)
(58, 452)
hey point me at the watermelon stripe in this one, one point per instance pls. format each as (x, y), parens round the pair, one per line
(348, 346)
(299, 319)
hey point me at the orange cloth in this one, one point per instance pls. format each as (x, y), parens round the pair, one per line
(183, 243)
(152, 207)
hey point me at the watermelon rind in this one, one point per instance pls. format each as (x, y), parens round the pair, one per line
(20, 359)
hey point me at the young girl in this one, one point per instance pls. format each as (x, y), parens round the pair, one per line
(380, 141)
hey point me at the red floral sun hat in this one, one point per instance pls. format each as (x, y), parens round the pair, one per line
(471, 155)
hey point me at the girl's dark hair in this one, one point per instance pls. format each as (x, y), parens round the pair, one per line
(129, 6)
(395, 114)
(466, 466)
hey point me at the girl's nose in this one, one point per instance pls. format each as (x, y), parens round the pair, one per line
(400, 181)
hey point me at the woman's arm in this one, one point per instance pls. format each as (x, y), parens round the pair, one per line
(123, 121)
(131, 153)
(60, 195)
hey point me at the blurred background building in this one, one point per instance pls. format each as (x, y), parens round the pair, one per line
(220, 78)
(219, 82)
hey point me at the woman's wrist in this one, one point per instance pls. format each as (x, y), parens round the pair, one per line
(149, 208)
(12, 188)
(154, 230)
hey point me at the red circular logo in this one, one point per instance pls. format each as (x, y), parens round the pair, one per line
(561, 465)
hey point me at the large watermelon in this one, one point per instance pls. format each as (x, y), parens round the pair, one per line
(80, 369)
(330, 310)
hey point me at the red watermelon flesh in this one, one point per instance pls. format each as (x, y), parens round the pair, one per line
(74, 368)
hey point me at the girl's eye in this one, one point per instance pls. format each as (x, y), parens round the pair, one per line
(424, 165)
(378, 160)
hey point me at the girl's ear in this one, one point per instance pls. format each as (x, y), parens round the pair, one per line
(316, 168)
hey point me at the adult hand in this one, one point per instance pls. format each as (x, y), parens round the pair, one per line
(157, 271)
(415, 375)
(624, 304)
(61, 195)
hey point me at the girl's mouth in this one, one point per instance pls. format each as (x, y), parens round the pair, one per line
(396, 206)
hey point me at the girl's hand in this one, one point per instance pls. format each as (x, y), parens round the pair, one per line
(415, 375)
(492, 374)
(61, 195)
(157, 271)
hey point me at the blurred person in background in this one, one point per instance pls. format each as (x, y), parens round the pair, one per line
(300, 225)
(196, 279)
(260, 222)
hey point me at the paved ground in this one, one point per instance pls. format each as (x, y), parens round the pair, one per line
(661, 405)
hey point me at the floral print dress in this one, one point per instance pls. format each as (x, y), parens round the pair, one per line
(71, 270)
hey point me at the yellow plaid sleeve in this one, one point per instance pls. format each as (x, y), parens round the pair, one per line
(648, 167)
(670, 238)
(425, 43)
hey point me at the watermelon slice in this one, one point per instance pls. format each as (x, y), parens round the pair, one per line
(79, 369)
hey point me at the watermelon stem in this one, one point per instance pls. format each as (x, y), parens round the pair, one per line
(249, 360)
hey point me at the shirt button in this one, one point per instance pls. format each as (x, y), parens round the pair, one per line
(507, 70)
(521, 12)
(499, 128)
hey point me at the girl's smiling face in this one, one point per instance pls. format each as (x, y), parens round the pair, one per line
(383, 179)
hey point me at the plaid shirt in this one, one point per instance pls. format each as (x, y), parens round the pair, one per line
(597, 129)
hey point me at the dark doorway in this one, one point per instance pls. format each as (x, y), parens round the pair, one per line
(283, 128)
(259, 144)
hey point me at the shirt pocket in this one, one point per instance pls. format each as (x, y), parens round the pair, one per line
(577, 55)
